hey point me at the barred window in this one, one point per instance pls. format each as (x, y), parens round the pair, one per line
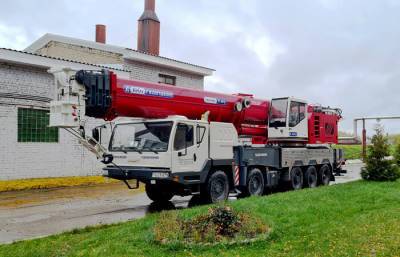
(167, 79)
(33, 127)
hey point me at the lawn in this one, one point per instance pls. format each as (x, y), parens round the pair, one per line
(352, 152)
(355, 219)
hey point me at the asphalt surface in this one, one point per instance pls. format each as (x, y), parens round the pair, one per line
(34, 214)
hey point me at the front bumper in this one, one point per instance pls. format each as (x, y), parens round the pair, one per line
(140, 173)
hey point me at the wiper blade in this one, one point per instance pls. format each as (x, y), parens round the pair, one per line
(137, 150)
(151, 149)
(122, 149)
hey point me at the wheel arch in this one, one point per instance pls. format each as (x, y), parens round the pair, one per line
(227, 169)
(262, 168)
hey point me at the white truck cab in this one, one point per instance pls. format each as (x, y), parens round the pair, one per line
(159, 152)
(174, 143)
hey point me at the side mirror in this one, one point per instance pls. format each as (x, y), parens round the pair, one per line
(107, 158)
(96, 134)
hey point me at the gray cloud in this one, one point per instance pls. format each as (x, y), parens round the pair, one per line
(333, 52)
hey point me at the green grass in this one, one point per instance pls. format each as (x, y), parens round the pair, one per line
(352, 152)
(355, 219)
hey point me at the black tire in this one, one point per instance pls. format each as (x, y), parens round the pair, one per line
(216, 189)
(296, 178)
(324, 175)
(159, 193)
(255, 184)
(311, 177)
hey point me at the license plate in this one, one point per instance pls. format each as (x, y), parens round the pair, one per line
(160, 175)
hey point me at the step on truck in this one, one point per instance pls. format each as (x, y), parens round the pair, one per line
(180, 141)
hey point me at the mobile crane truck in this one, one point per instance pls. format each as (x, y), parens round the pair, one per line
(180, 141)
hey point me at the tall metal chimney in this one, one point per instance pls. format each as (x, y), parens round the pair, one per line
(149, 30)
(100, 33)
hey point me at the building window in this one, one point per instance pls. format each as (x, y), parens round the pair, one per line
(167, 79)
(33, 127)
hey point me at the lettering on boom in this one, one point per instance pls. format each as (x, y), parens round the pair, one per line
(147, 92)
(213, 100)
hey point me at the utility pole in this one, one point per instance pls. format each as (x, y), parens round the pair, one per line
(364, 141)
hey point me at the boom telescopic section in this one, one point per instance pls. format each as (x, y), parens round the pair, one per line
(109, 97)
(290, 120)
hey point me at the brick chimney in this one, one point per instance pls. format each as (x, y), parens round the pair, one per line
(149, 30)
(100, 33)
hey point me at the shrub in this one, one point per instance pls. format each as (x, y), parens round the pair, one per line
(397, 154)
(219, 224)
(378, 168)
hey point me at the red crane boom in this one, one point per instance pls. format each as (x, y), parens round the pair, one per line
(109, 97)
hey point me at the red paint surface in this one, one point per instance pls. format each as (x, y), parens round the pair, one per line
(189, 103)
(323, 126)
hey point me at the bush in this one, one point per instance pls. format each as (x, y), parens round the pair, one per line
(378, 168)
(219, 224)
(397, 154)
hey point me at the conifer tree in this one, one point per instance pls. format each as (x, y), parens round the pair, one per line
(397, 154)
(379, 168)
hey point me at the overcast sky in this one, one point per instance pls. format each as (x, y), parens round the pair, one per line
(340, 53)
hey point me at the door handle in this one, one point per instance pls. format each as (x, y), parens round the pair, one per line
(194, 157)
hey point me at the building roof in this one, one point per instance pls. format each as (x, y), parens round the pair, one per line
(41, 61)
(127, 53)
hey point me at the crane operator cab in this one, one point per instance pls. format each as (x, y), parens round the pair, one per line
(288, 120)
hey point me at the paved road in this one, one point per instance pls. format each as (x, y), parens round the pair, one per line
(353, 168)
(26, 215)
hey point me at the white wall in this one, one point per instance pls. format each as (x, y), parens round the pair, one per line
(36, 160)
(150, 73)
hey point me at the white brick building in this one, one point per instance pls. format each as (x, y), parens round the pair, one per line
(28, 147)
(142, 66)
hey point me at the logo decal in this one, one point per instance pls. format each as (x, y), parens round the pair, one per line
(212, 100)
(147, 92)
(293, 134)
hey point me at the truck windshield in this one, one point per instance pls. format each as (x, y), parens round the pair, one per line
(278, 113)
(141, 137)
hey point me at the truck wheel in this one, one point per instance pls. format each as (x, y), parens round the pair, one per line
(325, 175)
(311, 178)
(216, 188)
(296, 178)
(255, 184)
(158, 193)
